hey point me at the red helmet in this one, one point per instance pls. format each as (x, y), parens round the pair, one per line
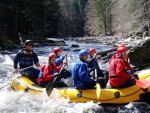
(91, 50)
(121, 49)
(121, 45)
(52, 55)
(57, 49)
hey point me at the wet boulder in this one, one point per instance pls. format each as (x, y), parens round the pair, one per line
(139, 55)
(50, 42)
(55, 42)
(75, 46)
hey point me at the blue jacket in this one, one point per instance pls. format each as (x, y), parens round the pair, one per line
(25, 59)
(59, 60)
(80, 75)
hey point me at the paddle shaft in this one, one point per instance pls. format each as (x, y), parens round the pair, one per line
(98, 88)
(96, 73)
(50, 86)
(24, 68)
(67, 61)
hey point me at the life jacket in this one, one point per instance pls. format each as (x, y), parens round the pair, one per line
(26, 58)
(40, 77)
(112, 72)
(117, 76)
(90, 63)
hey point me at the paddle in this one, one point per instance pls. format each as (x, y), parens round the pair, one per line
(24, 68)
(143, 83)
(67, 61)
(98, 88)
(50, 86)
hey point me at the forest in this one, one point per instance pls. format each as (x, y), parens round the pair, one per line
(38, 19)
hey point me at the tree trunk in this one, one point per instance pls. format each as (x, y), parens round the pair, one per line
(14, 25)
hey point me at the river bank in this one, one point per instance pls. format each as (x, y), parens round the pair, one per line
(129, 41)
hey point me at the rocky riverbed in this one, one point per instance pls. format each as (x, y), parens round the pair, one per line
(110, 40)
(139, 47)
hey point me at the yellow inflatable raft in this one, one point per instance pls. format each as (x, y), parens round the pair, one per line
(107, 95)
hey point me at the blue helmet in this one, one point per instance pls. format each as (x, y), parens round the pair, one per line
(83, 52)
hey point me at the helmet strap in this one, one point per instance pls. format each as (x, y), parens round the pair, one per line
(49, 60)
(56, 54)
(82, 58)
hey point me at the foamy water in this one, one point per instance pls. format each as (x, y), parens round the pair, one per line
(21, 102)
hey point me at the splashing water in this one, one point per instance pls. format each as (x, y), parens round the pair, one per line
(13, 102)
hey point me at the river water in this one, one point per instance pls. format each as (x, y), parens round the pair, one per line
(21, 102)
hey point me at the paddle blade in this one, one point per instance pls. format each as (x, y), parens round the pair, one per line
(98, 90)
(49, 88)
(143, 83)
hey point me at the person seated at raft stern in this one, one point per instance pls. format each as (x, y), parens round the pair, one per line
(49, 71)
(120, 72)
(59, 61)
(26, 57)
(93, 63)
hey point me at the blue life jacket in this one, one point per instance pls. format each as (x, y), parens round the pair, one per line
(25, 59)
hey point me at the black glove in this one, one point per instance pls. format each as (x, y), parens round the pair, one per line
(135, 76)
(56, 74)
(92, 74)
(133, 80)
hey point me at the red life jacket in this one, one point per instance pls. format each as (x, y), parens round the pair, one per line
(117, 75)
(47, 72)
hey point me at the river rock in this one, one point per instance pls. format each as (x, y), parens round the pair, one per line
(75, 46)
(139, 55)
(55, 42)
(50, 42)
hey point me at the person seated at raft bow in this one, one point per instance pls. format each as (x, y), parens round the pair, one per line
(79, 71)
(49, 71)
(93, 63)
(26, 57)
(59, 61)
(120, 75)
